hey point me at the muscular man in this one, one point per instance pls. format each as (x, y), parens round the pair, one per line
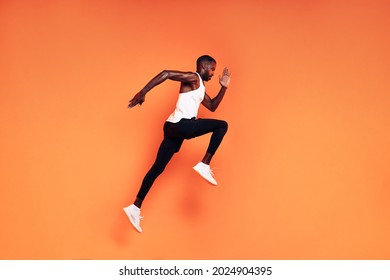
(184, 124)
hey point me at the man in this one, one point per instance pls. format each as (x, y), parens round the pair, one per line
(183, 124)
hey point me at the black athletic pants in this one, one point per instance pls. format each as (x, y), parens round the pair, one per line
(174, 135)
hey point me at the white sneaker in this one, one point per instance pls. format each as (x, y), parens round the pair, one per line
(133, 213)
(205, 171)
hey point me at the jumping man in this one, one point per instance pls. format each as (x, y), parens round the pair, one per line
(184, 124)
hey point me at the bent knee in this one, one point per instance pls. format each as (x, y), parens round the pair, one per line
(224, 125)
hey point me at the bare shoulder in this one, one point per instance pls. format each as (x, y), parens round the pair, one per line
(182, 76)
(191, 84)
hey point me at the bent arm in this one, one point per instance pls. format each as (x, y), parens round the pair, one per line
(224, 80)
(184, 77)
(213, 103)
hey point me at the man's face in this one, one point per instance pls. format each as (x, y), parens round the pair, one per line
(209, 68)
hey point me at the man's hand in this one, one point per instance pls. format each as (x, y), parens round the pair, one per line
(139, 98)
(225, 79)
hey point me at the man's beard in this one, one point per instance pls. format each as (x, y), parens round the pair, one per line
(206, 77)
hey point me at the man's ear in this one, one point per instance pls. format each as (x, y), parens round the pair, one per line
(205, 65)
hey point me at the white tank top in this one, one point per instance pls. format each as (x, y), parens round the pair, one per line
(187, 104)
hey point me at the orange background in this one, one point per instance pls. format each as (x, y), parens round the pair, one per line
(303, 171)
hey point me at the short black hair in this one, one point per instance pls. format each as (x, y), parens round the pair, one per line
(205, 58)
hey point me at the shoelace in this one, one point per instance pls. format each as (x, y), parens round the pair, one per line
(211, 171)
(138, 217)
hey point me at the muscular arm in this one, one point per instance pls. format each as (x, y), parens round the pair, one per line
(184, 77)
(213, 103)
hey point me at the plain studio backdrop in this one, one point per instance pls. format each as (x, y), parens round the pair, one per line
(303, 171)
